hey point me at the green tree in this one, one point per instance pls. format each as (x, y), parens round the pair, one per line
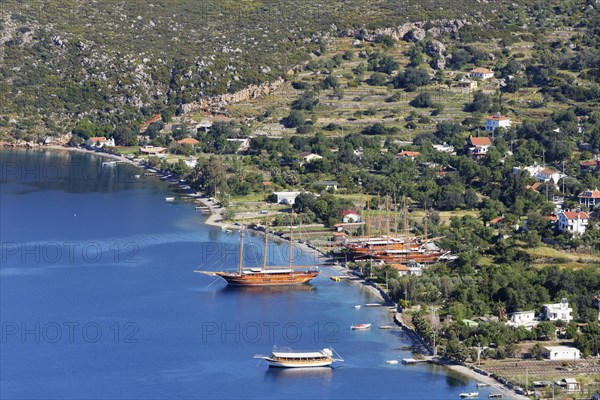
(422, 100)
(294, 119)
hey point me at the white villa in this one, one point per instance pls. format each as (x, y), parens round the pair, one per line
(481, 73)
(527, 319)
(496, 121)
(575, 222)
(558, 311)
(444, 148)
(542, 174)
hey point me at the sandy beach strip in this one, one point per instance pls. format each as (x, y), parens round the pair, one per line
(494, 384)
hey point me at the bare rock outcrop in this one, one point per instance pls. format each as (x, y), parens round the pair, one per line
(411, 31)
(218, 102)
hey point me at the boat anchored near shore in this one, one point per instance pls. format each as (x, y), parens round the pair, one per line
(292, 359)
(360, 326)
(266, 276)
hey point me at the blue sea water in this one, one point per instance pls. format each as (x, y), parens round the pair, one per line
(98, 299)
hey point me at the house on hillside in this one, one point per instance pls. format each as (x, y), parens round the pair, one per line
(308, 157)
(444, 148)
(190, 141)
(575, 222)
(541, 173)
(204, 126)
(328, 185)
(557, 311)
(589, 166)
(466, 83)
(408, 154)
(100, 141)
(492, 122)
(561, 353)
(570, 384)
(288, 198)
(481, 73)
(244, 144)
(528, 319)
(478, 146)
(350, 216)
(589, 198)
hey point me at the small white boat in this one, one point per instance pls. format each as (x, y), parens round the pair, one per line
(109, 163)
(291, 359)
(469, 395)
(136, 176)
(482, 385)
(392, 362)
(357, 307)
(169, 199)
(386, 327)
(360, 326)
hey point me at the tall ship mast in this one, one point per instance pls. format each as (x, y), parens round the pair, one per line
(267, 276)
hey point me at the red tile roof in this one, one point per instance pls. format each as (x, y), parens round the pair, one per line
(575, 215)
(191, 141)
(348, 212)
(480, 141)
(496, 118)
(589, 163)
(410, 154)
(481, 70)
(98, 139)
(496, 220)
(400, 267)
(590, 194)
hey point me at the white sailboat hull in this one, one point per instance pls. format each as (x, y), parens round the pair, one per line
(288, 364)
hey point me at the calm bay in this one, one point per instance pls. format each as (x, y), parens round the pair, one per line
(98, 299)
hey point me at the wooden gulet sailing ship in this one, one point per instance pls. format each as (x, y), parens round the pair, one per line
(396, 250)
(267, 276)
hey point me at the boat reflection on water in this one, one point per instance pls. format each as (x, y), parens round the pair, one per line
(261, 290)
(321, 373)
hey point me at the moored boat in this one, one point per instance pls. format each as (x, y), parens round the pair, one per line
(292, 359)
(360, 326)
(265, 276)
(469, 395)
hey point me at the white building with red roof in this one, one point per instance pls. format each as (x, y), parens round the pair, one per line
(575, 222)
(479, 146)
(481, 73)
(101, 141)
(589, 198)
(492, 122)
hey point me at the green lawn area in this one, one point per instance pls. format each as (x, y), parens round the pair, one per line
(548, 252)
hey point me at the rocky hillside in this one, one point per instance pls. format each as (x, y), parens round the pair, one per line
(112, 63)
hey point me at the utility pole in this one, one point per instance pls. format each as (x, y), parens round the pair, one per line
(563, 178)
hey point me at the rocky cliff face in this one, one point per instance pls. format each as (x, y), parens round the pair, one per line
(217, 103)
(413, 31)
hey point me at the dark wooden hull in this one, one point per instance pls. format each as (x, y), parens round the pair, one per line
(267, 279)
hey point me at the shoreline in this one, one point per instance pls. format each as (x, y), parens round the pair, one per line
(497, 386)
(214, 220)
